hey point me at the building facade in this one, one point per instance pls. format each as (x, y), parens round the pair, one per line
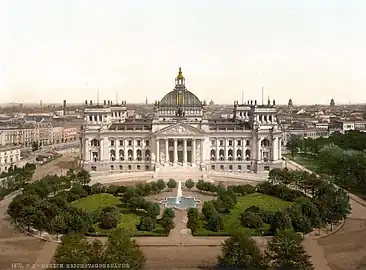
(9, 156)
(181, 135)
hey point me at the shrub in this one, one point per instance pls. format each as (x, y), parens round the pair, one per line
(251, 220)
(146, 224)
(168, 213)
(108, 221)
(243, 189)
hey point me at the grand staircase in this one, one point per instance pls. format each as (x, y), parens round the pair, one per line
(179, 173)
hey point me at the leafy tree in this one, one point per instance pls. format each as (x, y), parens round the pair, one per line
(200, 185)
(189, 184)
(122, 250)
(28, 215)
(208, 209)
(168, 213)
(75, 249)
(83, 177)
(160, 185)
(215, 222)
(146, 224)
(153, 210)
(251, 220)
(108, 221)
(58, 225)
(167, 223)
(194, 219)
(35, 146)
(172, 183)
(240, 252)
(293, 145)
(281, 221)
(286, 252)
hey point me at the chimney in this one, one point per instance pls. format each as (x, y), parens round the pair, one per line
(64, 107)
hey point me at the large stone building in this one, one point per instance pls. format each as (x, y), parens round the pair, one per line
(180, 135)
(9, 156)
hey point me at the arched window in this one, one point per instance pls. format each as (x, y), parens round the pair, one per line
(121, 155)
(130, 155)
(230, 154)
(238, 155)
(247, 154)
(147, 155)
(265, 143)
(221, 154)
(138, 153)
(213, 155)
(113, 155)
(95, 143)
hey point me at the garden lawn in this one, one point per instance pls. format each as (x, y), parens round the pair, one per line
(93, 202)
(127, 220)
(231, 220)
(308, 161)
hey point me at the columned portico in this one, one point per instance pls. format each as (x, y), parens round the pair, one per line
(178, 151)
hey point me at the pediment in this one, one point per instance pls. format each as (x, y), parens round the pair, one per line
(179, 129)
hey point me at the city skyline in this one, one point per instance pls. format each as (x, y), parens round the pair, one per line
(309, 52)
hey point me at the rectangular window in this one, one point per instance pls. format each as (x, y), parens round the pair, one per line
(129, 143)
(138, 167)
(112, 142)
(147, 142)
(112, 167)
(129, 167)
(239, 167)
(138, 143)
(120, 167)
(213, 142)
(239, 142)
(230, 167)
(248, 143)
(120, 142)
(221, 167)
(147, 167)
(213, 167)
(230, 143)
(221, 143)
(266, 168)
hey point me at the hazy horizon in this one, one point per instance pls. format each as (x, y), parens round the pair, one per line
(308, 51)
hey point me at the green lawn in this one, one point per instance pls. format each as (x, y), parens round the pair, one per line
(308, 161)
(231, 220)
(127, 220)
(93, 202)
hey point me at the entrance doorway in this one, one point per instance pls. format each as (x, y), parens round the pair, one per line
(180, 156)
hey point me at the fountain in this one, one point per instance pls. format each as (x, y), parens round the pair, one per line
(180, 201)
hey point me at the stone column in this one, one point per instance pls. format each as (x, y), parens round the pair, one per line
(125, 149)
(194, 152)
(217, 149)
(157, 151)
(167, 151)
(101, 150)
(259, 150)
(225, 149)
(201, 150)
(133, 149)
(86, 149)
(175, 151)
(279, 153)
(234, 149)
(274, 149)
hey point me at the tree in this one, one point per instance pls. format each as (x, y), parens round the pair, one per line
(285, 251)
(240, 252)
(251, 220)
(168, 213)
(293, 144)
(160, 185)
(153, 210)
(83, 177)
(200, 185)
(215, 222)
(194, 219)
(108, 221)
(146, 224)
(189, 184)
(35, 146)
(172, 183)
(281, 221)
(75, 249)
(58, 225)
(121, 249)
(208, 209)
(167, 223)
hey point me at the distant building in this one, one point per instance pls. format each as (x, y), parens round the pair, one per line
(290, 103)
(9, 156)
(332, 103)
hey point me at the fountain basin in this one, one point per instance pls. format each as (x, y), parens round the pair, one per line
(183, 203)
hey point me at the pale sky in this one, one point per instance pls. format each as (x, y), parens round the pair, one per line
(309, 50)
